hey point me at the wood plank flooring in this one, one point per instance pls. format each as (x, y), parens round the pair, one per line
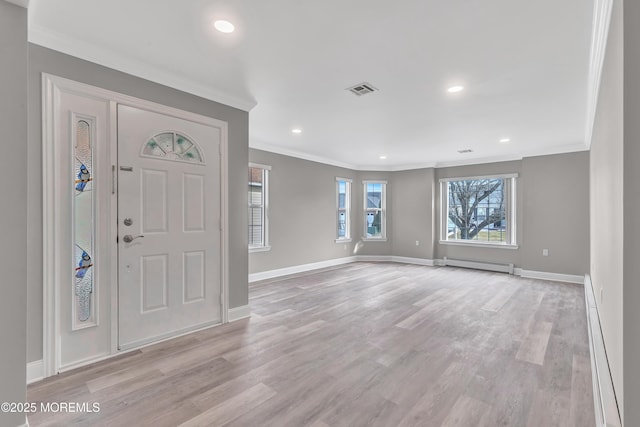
(366, 344)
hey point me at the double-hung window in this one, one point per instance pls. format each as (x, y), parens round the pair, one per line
(343, 203)
(479, 210)
(375, 210)
(258, 207)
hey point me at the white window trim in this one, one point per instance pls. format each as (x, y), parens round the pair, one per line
(383, 204)
(510, 208)
(347, 204)
(265, 221)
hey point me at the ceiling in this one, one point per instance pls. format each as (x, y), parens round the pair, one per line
(524, 66)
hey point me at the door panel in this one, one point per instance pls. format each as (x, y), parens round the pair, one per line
(154, 201)
(154, 282)
(194, 202)
(169, 189)
(193, 276)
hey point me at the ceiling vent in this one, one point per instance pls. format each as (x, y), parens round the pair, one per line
(362, 89)
(468, 150)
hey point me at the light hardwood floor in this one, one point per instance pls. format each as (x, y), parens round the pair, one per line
(366, 344)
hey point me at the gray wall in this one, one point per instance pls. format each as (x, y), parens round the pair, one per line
(302, 212)
(552, 213)
(52, 62)
(631, 156)
(412, 209)
(555, 213)
(607, 204)
(13, 223)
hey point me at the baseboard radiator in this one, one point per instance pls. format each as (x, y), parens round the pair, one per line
(604, 398)
(501, 268)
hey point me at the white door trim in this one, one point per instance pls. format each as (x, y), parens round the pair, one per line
(52, 86)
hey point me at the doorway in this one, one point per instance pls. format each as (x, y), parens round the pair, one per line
(135, 240)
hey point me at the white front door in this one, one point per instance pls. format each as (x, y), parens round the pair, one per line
(169, 238)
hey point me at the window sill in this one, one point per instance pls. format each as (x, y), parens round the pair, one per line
(374, 239)
(478, 244)
(260, 249)
(343, 240)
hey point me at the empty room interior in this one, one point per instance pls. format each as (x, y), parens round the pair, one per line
(365, 213)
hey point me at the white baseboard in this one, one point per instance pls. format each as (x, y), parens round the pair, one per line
(543, 275)
(373, 258)
(35, 371)
(506, 268)
(604, 398)
(270, 274)
(238, 313)
(416, 261)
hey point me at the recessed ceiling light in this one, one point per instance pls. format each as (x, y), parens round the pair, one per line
(296, 130)
(224, 26)
(505, 140)
(383, 157)
(455, 89)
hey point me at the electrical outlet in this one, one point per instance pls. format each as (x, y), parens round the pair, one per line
(345, 246)
(545, 252)
(417, 242)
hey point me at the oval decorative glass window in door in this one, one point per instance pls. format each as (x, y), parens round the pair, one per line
(173, 146)
(83, 221)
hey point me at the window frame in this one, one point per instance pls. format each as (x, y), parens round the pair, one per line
(383, 211)
(347, 209)
(266, 170)
(510, 212)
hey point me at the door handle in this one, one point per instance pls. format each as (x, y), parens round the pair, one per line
(129, 238)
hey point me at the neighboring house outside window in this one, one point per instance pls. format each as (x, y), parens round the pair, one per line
(258, 198)
(343, 210)
(479, 211)
(375, 210)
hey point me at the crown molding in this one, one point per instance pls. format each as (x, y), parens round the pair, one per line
(299, 155)
(108, 58)
(559, 149)
(331, 162)
(547, 151)
(601, 20)
(568, 148)
(21, 3)
(479, 161)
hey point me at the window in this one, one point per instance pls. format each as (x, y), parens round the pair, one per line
(172, 146)
(258, 207)
(479, 210)
(375, 196)
(84, 225)
(343, 195)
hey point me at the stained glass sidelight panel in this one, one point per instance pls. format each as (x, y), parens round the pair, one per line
(83, 218)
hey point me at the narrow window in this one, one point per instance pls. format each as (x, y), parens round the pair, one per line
(83, 215)
(479, 210)
(375, 200)
(343, 194)
(258, 207)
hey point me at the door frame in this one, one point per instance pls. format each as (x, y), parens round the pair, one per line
(52, 87)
